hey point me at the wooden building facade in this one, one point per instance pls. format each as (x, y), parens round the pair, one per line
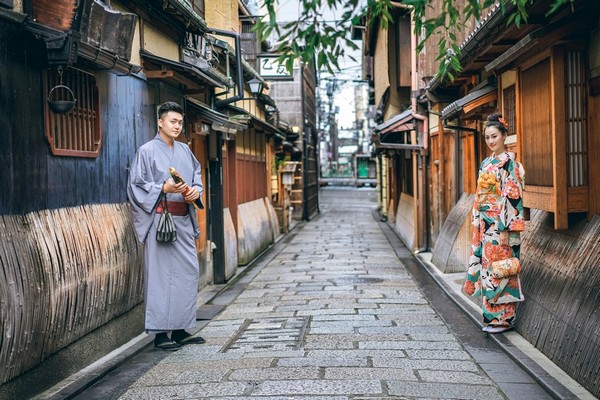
(543, 77)
(74, 274)
(296, 101)
(397, 145)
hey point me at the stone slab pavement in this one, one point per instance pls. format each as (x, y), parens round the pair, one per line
(337, 310)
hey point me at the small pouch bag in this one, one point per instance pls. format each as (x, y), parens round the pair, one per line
(506, 268)
(165, 230)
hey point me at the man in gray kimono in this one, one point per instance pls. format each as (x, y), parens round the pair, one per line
(171, 270)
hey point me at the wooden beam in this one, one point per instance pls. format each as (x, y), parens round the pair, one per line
(195, 90)
(578, 199)
(539, 197)
(559, 142)
(488, 98)
(159, 74)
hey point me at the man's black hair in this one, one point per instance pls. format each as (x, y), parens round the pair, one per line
(169, 106)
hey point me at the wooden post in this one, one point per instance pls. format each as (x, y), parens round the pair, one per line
(416, 181)
(559, 145)
(594, 162)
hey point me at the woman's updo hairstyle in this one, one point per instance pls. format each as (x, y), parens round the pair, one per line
(497, 122)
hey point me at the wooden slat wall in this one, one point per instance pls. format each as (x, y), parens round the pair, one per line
(594, 162)
(537, 130)
(200, 151)
(450, 185)
(66, 272)
(251, 166)
(561, 282)
(470, 167)
(435, 190)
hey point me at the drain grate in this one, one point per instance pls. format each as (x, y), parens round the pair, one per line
(357, 279)
(208, 311)
(259, 334)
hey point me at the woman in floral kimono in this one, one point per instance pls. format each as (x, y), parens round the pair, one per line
(497, 219)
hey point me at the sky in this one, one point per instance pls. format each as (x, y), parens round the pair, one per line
(350, 70)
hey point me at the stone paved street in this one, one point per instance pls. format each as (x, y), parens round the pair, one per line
(334, 314)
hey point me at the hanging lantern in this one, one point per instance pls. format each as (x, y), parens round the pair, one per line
(61, 99)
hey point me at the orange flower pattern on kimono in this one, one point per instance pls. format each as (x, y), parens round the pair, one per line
(498, 207)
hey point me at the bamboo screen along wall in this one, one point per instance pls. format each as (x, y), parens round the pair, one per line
(561, 277)
(65, 273)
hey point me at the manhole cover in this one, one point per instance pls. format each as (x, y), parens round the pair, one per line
(261, 334)
(357, 279)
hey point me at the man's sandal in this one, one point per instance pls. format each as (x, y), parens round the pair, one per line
(191, 340)
(168, 346)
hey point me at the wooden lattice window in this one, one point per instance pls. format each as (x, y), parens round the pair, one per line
(509, 108)
(76, 133)
(576, 117)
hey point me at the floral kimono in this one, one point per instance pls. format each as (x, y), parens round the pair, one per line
(498, 207)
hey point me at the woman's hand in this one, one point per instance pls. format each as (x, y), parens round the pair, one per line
(504, 238)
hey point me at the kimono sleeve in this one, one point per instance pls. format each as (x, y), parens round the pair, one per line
(143, 194)
(511, 216)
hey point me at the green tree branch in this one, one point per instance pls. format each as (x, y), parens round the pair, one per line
(313, 38)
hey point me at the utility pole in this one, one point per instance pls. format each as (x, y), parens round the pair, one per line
(333, 139)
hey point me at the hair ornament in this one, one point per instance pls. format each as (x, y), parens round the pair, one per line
(503, 122)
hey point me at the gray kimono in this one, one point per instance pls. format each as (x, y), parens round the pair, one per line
(171, 269)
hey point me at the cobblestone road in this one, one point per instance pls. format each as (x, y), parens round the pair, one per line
(335, 315)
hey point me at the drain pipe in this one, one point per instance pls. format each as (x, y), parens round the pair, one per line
(238, 61)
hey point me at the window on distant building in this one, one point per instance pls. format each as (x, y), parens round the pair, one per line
(76, 133)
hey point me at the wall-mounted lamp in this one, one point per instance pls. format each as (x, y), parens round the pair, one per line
(256, 86)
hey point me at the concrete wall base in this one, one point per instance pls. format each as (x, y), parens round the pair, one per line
(453, 246)
(76, 356)
(255, 232)
(404, 223)
(273, 219)
(231, 245)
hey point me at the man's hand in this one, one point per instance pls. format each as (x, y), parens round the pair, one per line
(191, 195)
(171, 187)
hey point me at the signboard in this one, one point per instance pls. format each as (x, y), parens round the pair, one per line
(271, 69)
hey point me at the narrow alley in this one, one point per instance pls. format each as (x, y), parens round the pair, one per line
(337, 310)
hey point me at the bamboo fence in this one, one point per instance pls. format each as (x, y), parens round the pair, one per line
(65, 272)
(561, 283)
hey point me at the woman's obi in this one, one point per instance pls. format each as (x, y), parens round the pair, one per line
(488, 192)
